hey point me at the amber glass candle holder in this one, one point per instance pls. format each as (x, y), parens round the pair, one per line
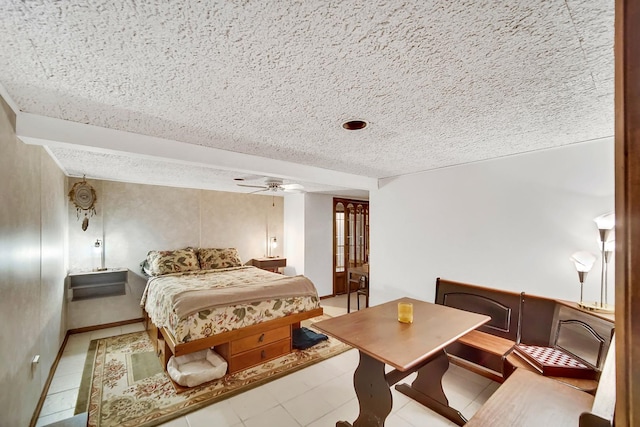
(405, 312)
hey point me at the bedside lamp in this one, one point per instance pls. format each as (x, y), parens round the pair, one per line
(98, 247)
(583, 262)
(273, 243)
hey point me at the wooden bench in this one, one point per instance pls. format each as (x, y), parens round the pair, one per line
(527, 319)
(482, 351)
(564, 326)
(527, 399)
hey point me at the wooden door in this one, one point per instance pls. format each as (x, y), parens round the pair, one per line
(350, 239)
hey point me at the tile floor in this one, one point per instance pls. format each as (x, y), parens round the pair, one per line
(316, 396)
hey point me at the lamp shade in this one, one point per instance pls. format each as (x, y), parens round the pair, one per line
(583, 261)
(606, 221)
(610, 245)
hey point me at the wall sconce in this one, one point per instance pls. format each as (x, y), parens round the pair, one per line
(98, 247)
(584, 262)
(273, 243)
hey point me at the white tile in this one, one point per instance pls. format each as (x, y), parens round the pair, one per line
(286, 388)
(176, 422)
(338, 391)
(252, 402)
(399, 399)
(70, 364)
(315, 375)
(341, 365)
(79, 346)
(462, 389)
(132, 327)
(84, 337)
(471, 409)
(467, 375)
(64, 382)
(219, 414)
(349, 358)
(309, 406)
(56, 416)
(487, 392)
(107, 332)
(59, 402)
(394, 420)
(347, 412)
(276, 416)
(419, 415)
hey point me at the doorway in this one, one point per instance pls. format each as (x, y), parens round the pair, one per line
(350, 239)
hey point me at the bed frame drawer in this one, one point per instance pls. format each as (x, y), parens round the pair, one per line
(264, 338)
(259, 355)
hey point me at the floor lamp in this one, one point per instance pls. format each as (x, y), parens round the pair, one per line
(605, 224)
(583, 262)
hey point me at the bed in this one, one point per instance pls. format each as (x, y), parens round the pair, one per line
(201, 298)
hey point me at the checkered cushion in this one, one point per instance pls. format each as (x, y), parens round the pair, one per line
(549, 356)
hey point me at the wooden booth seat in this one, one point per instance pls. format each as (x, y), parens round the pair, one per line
(526, 399)
(494, 350)
(483, 350)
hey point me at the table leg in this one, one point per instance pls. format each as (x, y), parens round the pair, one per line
(374, 394)
(427, 389)
(348, 292)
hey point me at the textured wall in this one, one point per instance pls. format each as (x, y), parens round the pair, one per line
(138, 218)
(510, 223)
(32, 225)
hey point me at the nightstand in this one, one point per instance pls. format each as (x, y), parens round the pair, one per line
(95, 284)
(269, 264)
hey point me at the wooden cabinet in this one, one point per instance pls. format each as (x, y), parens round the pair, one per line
(256, 349)
(96, 284)
(269, 264)
(350, 239)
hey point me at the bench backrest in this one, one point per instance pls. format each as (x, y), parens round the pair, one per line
(502, 306)
(603, 410)
(546, 322)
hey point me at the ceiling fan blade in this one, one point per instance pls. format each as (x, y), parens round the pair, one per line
(257, 191)
(253, 186)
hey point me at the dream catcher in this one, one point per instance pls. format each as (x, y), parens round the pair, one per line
(84, 197)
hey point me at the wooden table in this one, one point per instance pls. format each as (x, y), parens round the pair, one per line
(269, 264)
(419, 346)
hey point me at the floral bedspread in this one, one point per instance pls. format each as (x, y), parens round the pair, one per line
(159, 300)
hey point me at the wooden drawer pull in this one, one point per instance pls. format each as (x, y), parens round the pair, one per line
(261, 338)
(263, 354)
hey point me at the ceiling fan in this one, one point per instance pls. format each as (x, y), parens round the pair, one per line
(275, 185)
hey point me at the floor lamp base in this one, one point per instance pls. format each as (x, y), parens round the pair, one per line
(596, 306)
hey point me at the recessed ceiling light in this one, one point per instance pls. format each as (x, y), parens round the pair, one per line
(354, 125)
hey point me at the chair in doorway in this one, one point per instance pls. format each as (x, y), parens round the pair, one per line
(359, 275)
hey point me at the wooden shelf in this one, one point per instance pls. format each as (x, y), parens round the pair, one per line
(97, 284)
(269, 264)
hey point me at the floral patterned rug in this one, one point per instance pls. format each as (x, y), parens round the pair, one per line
(129, 388)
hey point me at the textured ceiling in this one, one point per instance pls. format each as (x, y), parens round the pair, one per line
(440, 82)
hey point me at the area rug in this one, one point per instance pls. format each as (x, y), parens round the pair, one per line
(124, 384)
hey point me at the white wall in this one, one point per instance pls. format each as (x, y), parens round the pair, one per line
(318, 241)
(294, 234)
(509, 223)
(33, 225)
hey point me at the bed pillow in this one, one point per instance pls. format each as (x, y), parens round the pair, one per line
(178, 261)
(214, 258)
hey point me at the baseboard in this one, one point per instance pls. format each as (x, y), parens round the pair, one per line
(104, 326)
(47, 384)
